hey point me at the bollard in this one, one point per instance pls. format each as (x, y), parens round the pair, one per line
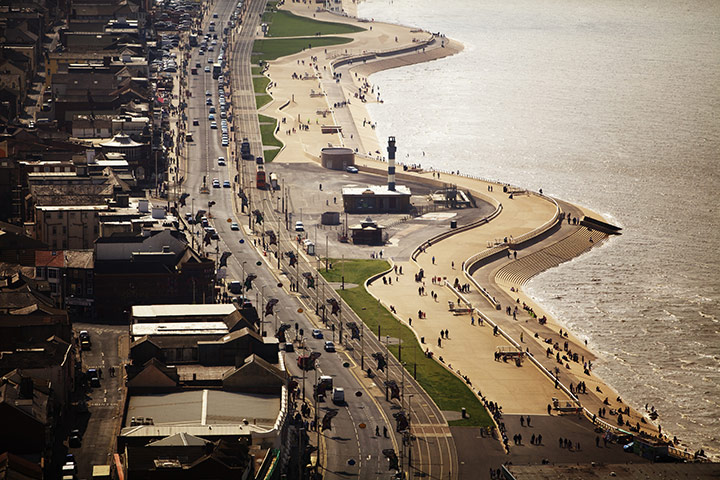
(464, 412)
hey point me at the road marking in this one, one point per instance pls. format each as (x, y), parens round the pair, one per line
(203, 420)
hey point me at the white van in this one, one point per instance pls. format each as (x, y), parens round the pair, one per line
(338, 395)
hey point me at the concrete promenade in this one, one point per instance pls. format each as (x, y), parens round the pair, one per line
(303, 104)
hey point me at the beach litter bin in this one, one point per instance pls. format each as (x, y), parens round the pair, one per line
(453, 223)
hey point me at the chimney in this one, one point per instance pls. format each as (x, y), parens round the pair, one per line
(26, 387)
(391, 163)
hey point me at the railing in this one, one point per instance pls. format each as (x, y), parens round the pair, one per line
(352, 59)
(541, 229)
(441, 236)
(540, 366)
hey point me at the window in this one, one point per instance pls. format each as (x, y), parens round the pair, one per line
(52, 273)
(39, 272)
(53, 288)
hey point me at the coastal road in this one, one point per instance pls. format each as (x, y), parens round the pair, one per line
(346, 441)
(433, 450)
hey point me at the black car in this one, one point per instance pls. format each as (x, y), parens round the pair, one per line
(74, 441)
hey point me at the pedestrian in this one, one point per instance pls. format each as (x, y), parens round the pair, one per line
(549, 409)
(528, 420)
(472, 320)
(452, 265)
(439, 342)
(433, 259)
(100, 373)
(377, 430)
(519, 438)
(442, 333)
(410, 321)
(522, 421)
(532, 439)
(560, 441)
(539, 439)
(385, 433)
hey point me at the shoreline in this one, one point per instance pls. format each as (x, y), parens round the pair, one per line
(366, 70)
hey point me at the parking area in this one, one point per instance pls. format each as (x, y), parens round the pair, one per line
(314, 190)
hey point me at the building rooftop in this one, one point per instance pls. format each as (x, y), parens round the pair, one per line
(182, 310)
(203, 412)
(178, 328)
(400, 190)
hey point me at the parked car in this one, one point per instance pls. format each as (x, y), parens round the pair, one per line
(94, 377)
(351, 169)
(299, 227)
(74, 440)
(329, 346)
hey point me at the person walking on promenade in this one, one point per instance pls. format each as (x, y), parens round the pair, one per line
(528, 420)
(522, 421)
(532, 439)
(439, 342)
(447, 334)
(539, 439)
(385, 432)
(433, 260)
(377, 430)
(549, 409)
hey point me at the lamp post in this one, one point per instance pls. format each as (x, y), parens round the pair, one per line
(262, 309)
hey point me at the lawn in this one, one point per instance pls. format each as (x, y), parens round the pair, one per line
(272, 49)
(262, 100)
(448, 392)
(267, 131)
(256, 70)
(285, 24)
(270, 155)
(260, 84)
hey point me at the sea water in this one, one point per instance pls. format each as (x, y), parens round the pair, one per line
(612, 104)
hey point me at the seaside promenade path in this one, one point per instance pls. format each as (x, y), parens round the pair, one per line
(302, 105)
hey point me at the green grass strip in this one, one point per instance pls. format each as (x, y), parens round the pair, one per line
(262, 100)
(446, 390)
(270, 155)
(267, 131)
(260, 84)
(273, 49)
(256, 70)
(285, 24)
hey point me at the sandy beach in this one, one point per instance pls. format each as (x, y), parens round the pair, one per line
(313, 99)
